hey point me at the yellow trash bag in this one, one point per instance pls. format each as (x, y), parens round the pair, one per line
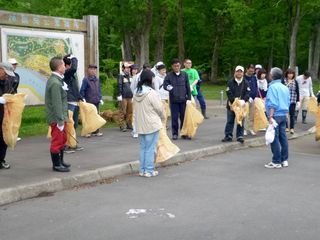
(260, 120)
(318, 125)
(12, 117)
(165, 147)
(313, 105)
(192, 119)
(240, 111)
(90, 119)
(70, 131)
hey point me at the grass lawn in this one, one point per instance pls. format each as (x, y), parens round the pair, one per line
(34, 117)
(34, 121)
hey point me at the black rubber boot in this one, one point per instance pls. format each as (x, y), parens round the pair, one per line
(304, 116)
(66, 165)
(203, 111)
(56, 165)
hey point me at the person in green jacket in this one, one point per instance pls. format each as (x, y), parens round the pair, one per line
(193, 76)
(57, 113)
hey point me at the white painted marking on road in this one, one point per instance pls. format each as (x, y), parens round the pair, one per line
(134, 213)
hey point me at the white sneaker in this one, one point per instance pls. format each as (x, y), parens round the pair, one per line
(285, 164)
(141, 174)
(134, 134)
(18, 139)
(98, 134)
(252, 133)
(273, 165)
(151, 174)
(245, 132)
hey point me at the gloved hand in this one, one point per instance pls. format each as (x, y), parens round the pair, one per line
(119, 98)
(250, 100)
(191, 88)
(60, 127)
(2, 100)
(65, 86)
(242, 102)
(189, 102)
(101, 102)
(169, 87)
(298, 105)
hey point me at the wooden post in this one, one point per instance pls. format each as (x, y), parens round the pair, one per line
(92, 41)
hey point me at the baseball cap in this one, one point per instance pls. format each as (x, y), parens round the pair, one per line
(12, 61)
(239, 68)
(7, 67)
(134, 66)
(258, 66)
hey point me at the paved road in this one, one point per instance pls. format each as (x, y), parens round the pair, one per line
(228, 196)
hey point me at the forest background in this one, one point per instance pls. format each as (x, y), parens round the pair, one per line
(216, 35)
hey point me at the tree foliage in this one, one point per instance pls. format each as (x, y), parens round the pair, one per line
(217, 35)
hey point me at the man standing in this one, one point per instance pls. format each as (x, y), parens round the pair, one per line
(237, 87)
(91, 92)
(200, 97)
(277, 108)
(57, 113)
(177, 83)
(16, 79)
(6, 71)
(305, 92)
(73, 93)
(252, 80)
(193, 76)
(125, 94)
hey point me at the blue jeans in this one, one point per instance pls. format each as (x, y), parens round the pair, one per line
(200, 98)
(148, 143)
(279, 146)
(228, 131)
(75, 110)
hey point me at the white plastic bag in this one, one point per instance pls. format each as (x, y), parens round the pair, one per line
(270, 133)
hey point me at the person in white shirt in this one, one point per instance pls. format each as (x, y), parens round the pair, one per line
(160, 74)
(305, 92)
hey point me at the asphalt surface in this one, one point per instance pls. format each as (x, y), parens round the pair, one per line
(226, 196)
(30, 161)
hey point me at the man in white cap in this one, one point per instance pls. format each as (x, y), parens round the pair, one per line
(6, 71)
(237, 87)
(16, 78)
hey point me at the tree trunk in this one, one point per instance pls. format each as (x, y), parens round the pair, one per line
(293, 36)
(214, 63)
(180, 31)
(126, 47)
(141, 37)
(314, 69)
(161, 30)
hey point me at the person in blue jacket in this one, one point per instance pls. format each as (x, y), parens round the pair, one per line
(277, 107)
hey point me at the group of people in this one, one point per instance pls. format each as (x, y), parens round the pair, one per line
(146, 97)
(282, 95)
(62, 94)
(152, 91)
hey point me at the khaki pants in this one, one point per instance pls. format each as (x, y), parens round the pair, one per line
(126, 108)
(304, 102)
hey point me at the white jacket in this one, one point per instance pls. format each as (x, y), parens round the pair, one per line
(148, 111)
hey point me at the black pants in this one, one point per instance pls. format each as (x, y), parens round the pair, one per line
(228, 131)
(292, 111)
(177, 110)
(3, 148)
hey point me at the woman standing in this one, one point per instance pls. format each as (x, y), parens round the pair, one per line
(160, 74)
(262, 83)
(290, 81)
(148, 112)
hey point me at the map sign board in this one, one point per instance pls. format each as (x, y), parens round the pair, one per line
(33, 50)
